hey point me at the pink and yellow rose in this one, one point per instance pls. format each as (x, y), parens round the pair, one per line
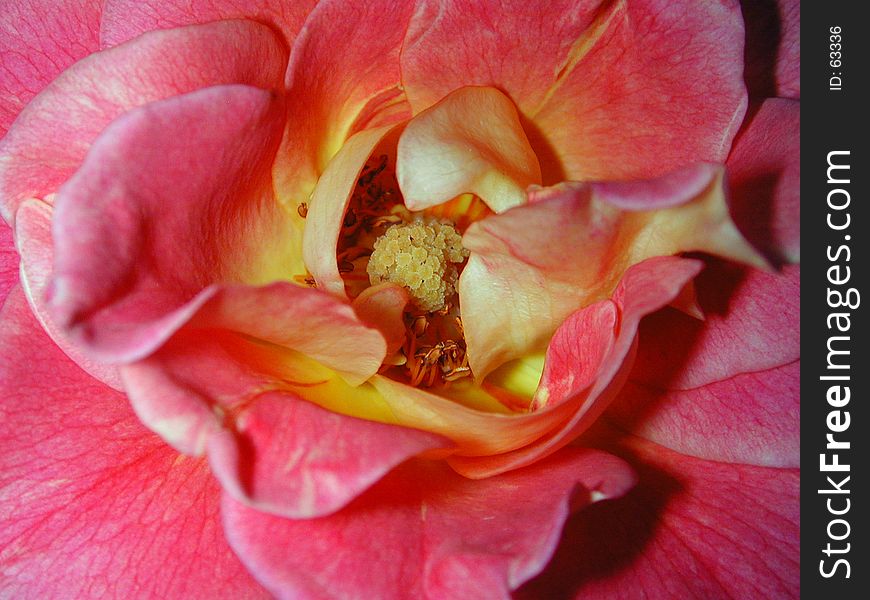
(198, 192)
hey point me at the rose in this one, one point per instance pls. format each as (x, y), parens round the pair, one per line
(483, 493)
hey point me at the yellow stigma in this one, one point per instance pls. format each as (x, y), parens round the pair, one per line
(423, 257)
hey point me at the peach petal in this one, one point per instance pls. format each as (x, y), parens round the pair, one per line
(382, 307)
(519, 285)
(470, 142)
(332, 95)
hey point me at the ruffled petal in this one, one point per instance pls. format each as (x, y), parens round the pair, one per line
(764, 177)
(243, 404)
(173, 196)
(470, 142)
(582, 377)
(689, 529)
(426, 532)
(534, 265)
(773, 48)
(91, 503)
(661, 86)
(38, 40)
(331, 94)
(291, 458)
(50, 139)
(125, 19)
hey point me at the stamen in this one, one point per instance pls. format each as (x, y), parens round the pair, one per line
(423, 257)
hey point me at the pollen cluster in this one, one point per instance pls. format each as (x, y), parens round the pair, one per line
(421, 256)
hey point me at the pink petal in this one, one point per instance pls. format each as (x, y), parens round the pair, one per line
(689, 529)
(773, 48)
(328, 205)
(291, 458)
(738, 370)
(519, 47)
(33, 234)
(242, 403)
(332, 94)
(658, 86)
(91, 503)
(172, 197)
(50, 139)
(470, 142)
(8, 262)
(38, 40)
(424, 531)
(520, 281)
(764, 176)
(587, 364)
(750, 418)
(751, 325)
(302, 319)
(125, 19)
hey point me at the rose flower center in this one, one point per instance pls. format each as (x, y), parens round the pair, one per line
(383, 242)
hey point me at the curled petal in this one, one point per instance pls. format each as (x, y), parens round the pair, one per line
(471, 141)
(174, 196)
(243, 403)
(38, 40)
(582, 376)
(332, 95)
(425, 532)
(85, 486)
(519, 285)
(288, 457)
(53, 134)
(328, 204)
